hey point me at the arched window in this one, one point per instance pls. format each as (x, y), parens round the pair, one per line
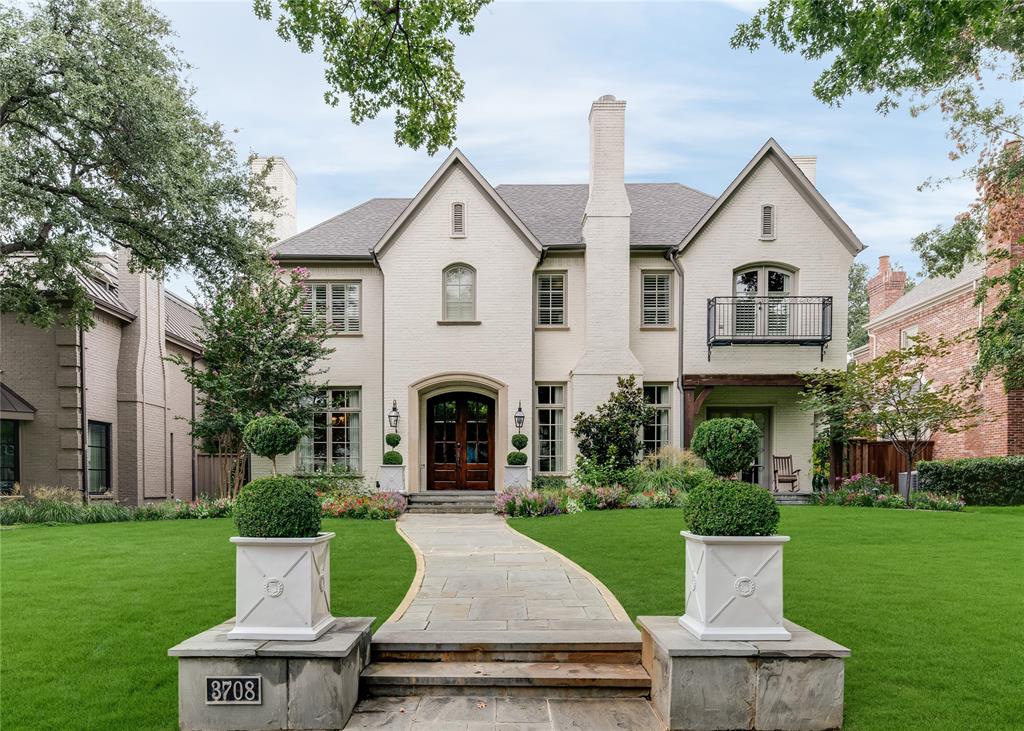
(762, 300)
(459, 281)
(767, 222)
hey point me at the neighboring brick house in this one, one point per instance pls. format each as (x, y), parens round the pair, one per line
(136, 446)
(469, 302)
(945, 306)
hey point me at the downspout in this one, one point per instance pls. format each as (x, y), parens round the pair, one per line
(383, 338)
(670, 255)
(85, 418)
(533, 358)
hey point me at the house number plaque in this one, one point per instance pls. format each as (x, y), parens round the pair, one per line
(234, 690)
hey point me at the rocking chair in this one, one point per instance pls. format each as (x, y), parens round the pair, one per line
(785, 474)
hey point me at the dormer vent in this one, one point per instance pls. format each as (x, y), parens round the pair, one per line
(458, 219)
(767, 222)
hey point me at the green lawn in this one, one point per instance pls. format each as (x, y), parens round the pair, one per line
(87, 612)
(932, 604)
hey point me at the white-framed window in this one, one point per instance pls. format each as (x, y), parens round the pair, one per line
(767, 222)
(337, 303)
(657, 432)
(550, 418)
(907, 337)
(337, 431)
(458, 219)
(459, 281)
(551, 298)
(656, 299)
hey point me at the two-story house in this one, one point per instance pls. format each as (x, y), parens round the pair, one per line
(469, 302)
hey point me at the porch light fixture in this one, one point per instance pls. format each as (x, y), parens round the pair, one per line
(393, 415)
(520, 417)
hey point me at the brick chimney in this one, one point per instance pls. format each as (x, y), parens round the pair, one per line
(283, 185)
(606, 351)
(885, 287)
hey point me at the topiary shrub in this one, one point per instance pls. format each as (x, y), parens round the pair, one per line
(519, 441)
(516, 459)
(393, 439)
(277, 507)
(726, 445)
(731, 508)
(270, 436)
(392, 457)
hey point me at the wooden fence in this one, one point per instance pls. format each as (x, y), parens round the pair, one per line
(210, 474)
(880, 459)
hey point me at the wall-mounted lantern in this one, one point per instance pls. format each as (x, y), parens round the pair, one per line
(394, 416)
(520, 417)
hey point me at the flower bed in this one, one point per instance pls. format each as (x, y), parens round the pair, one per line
(377, 506)
(523, 503)
(867, 491)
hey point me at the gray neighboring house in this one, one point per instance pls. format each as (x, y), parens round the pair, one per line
(125, 435)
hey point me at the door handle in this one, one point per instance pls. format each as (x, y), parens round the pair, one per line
(458, 451)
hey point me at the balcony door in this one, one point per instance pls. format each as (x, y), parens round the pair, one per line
(460, 442)
(762, 309)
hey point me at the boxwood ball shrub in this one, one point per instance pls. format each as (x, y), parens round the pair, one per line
(392, 457)
(520, 440)
(726, 445)
(270, 436)
(277, 507)
(393, 439)
(516, 459)
(731, 508)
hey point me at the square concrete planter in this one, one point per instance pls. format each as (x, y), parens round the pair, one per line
(734, 587)
(517, 476)
(391, 478)
(282, 588)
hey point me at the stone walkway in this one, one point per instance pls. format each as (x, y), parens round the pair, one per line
(482, 581)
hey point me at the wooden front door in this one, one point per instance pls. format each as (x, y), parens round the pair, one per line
(460, 442)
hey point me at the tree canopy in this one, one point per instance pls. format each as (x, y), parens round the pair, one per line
(386, 54)
(102, 145)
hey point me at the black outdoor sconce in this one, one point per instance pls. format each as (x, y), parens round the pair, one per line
(519, 418)
(394, 416)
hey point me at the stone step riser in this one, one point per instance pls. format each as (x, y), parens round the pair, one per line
(437, 509)
(383, 691)
(612, 657)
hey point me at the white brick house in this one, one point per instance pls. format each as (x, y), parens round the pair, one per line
(469, 300)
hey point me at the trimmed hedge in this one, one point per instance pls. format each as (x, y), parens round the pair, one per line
(726, 445)
(277, 507)
(731, 508)
(392, 439)
(271, 436)
(520, 440)
(516, 459)
(392, 457)
(978, 481)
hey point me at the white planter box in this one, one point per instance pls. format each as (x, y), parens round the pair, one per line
(734, 587)
(391, 478)
(282, 588)
(517, 476)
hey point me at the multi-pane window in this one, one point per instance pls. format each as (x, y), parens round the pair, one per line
(657, 299)
(99, 457)
(551, 299)
(337, 430)
(656, 431)
(337, 303)
(459, 296)
(907, 337)
(458, 219)
(767, 222)
(550, 428)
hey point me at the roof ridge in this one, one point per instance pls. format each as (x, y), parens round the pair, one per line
(326, 221)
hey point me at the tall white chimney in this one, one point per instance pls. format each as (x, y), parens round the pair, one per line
(606, 353)
(808, 165)
(283, 184)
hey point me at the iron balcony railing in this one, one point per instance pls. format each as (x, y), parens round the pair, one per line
(769, 320)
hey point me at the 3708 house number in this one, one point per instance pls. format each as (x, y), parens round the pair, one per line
(234, 690)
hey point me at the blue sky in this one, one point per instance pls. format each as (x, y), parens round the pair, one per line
(696, 111)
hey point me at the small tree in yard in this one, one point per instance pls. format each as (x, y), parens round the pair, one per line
(259, 356)
(609, 438)
(890, 397)
(271, 436)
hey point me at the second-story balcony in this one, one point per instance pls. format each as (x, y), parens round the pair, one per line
(783, 320)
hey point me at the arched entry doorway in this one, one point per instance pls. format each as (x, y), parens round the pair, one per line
(460, 441)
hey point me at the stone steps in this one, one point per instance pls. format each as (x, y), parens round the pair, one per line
(793, 498)
(524, 679)
(452, 501)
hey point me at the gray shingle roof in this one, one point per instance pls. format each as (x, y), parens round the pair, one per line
(931, 289)
(662, 214)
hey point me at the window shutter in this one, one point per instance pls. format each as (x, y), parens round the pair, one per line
(458, 219)
(314, 301)
(656, 299)
(768, 222)
(345, 307)
(551, 299)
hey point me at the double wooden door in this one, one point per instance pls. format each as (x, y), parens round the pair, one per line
(460, 442)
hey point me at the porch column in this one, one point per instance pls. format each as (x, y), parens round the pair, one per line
(692, 401)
